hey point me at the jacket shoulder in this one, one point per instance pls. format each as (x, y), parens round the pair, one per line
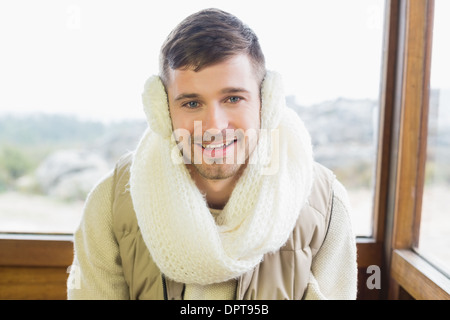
(321, 196)
(122, 205)
(313, 220)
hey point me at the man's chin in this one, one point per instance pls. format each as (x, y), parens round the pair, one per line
(217, 171)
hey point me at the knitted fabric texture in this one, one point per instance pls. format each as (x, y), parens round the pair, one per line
(181, 234)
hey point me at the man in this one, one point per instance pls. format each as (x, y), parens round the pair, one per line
(221, 198)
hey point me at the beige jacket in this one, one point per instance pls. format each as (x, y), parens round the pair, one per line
(281, 275)
(112, 261)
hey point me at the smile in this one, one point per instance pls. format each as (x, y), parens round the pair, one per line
(217, 150)
(217, 145)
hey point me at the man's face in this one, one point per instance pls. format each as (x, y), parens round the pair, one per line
(219, 108)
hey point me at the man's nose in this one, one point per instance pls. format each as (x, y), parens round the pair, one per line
(215, 119)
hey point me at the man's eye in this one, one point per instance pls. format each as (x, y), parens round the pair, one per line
(234, 99)
(191, 104)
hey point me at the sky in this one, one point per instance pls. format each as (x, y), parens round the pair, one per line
(91, 58)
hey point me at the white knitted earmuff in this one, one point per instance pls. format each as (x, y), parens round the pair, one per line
(156, 108)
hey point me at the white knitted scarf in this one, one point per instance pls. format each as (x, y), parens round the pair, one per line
(184, 239)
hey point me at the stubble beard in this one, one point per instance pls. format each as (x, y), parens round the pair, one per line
(217, 170)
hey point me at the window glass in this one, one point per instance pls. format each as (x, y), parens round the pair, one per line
(73, 72)
(434, 240)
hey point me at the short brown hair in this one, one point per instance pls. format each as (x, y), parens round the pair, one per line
(208, 37)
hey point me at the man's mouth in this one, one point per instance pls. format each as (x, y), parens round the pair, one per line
(217, 150)
(224, 145)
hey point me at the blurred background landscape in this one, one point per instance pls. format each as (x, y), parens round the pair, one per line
(40, 153)
(50, 162)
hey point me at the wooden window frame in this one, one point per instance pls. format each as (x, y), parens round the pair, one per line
(411, 275)
(371, 250)
(398, 183)
(34, 266)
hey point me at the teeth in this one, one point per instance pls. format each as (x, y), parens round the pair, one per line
(216, 146)
(213, 146)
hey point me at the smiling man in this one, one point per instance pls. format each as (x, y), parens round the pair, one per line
(222, 198)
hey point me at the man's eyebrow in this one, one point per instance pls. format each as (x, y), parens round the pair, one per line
(234, 90)
(183, 96)
(228, 90)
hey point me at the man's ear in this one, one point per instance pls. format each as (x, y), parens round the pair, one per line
(156, 106)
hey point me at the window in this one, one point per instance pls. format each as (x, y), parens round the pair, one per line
(66, 58)
(434, 239)
(74, 72)
(418, 273)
